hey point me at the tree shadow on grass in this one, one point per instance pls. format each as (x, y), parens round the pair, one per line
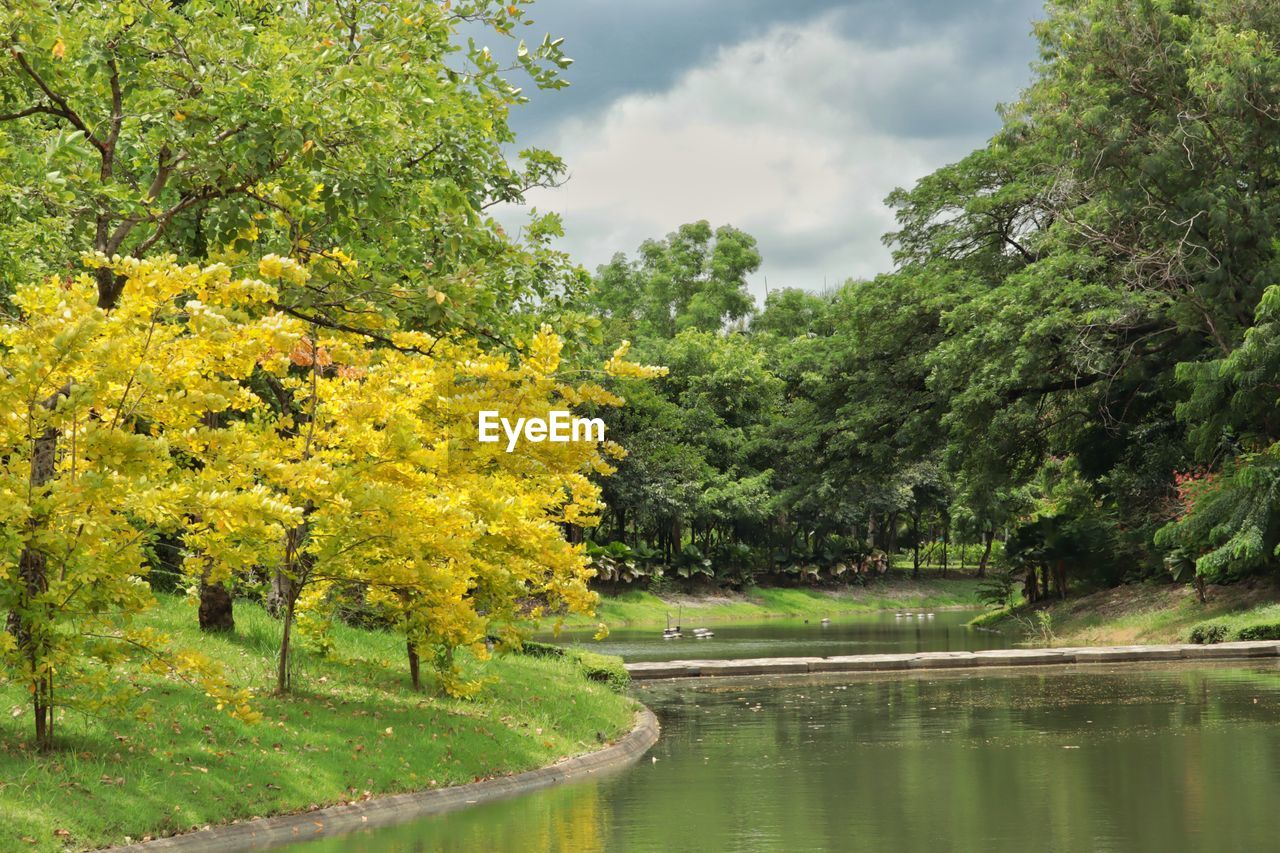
(188, 766)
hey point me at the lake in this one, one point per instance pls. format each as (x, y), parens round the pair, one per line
(860, 634)
(1085, 758)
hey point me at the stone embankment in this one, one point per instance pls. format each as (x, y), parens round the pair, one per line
(383, 811)
(952, 660)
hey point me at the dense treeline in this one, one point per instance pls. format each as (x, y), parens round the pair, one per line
(1076, 354)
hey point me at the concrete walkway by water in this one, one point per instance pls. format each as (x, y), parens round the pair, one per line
(952, 660)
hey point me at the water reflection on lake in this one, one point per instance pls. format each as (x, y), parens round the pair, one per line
(1177, 758)
(874, 633)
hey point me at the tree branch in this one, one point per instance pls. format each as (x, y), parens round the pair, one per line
(64, 109)
(326, 323)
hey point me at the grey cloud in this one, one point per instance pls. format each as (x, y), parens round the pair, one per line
(622, 48)
(790, 120)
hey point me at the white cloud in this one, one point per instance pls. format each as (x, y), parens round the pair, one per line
(795, 136)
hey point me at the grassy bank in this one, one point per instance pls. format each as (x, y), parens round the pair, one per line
(1142, 613)
(353, 730)
(637, 608)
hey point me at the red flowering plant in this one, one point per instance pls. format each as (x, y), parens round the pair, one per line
(1226, 521)
(1189, 486)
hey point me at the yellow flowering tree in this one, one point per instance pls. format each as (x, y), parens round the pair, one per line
(481, 535)
(376, 446)
(196, 407)
(100, 413)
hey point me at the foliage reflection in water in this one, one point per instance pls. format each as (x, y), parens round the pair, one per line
(864, 634)
(1177, 758)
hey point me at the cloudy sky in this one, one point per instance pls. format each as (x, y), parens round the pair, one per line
(790, 119)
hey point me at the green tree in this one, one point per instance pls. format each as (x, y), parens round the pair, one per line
(213, 129)
(696, 278)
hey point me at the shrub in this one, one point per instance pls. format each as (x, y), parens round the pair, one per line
(997, 589)
(1208, 632)
(1261, 631)
(541, 650)
(607, 669)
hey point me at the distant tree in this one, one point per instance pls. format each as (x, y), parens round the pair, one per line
(696, 278)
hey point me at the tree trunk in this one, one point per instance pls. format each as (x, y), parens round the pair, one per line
(946, 538)
(23, 623)
(1060, 578)
(281, 590)
(988, 536)
(286, 585)
(216, 608)
(110, 285)
(283, 680)
(414, 674)
(915, 546)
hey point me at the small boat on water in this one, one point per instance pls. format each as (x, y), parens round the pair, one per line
(671, 632)
(702, 633)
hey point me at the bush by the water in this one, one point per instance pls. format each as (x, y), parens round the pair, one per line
(1220, 632)
(606, 669)
(1209, 632)
(1261, 631)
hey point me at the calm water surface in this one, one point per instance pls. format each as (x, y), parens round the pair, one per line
(1178, 758)
(875, 633)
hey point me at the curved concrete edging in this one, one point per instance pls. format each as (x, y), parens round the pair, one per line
(399, 808)
(952, 660)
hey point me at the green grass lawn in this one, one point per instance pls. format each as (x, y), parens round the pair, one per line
(353, 729)
(640, 608)
(1149, 613)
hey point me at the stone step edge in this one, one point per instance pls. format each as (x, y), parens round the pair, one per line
(952, 660)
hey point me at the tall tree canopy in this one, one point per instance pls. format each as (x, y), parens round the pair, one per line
(228, 130)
